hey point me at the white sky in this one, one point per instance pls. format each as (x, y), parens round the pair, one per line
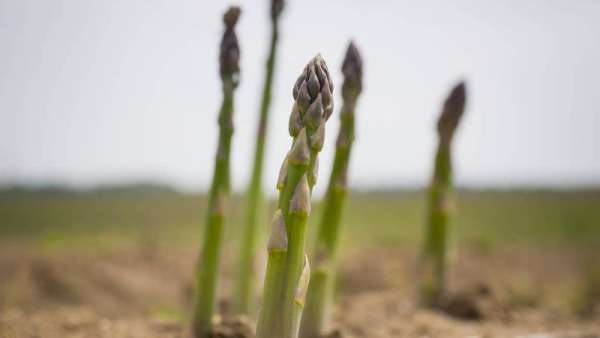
(103, 91)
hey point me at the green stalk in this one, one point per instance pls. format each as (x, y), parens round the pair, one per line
(433, 265)
(295, 257)
(281, 312)
(277, 250)
(207, 271)
(434, 258)
(320, 292)
(244, 297)
(300, 298)
(294, 206)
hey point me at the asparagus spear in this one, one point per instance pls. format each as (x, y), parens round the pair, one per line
(284, 284)
(244, 296)
(434, 254)
(207, 272)
(320, 292)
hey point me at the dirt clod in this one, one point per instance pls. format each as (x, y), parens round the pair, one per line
(462, 306)
(237, 327)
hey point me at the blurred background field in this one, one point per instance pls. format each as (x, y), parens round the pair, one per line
(113, 216)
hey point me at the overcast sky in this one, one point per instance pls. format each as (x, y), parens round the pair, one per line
(112, 90)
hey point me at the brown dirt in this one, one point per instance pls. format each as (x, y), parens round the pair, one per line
(510, 292)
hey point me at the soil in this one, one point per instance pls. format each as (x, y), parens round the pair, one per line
(508, 292)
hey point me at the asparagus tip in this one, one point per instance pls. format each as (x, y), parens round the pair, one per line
(352, 68)
(231, 16)
(313, 92)
(458, 93)
(453, 110)
(229, 54)
(276, 8)
(318, 58)
(278, 237)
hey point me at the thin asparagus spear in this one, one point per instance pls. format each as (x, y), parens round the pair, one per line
(312, 107)
(320, 292)
(244, 296)
(207, 272)
(434, 254)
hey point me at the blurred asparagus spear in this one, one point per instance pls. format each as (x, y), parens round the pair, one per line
(433, 265)
(287, 270)
(208, 269)
(320, 292)
(244, 296)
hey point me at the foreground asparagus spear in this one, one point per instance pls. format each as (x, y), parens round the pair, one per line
(244, 296)
(434, 255)
(207, 272)
(287, 274)
(320, 292)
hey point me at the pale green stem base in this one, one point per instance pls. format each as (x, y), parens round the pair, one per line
(318, 304)
(270, 317)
